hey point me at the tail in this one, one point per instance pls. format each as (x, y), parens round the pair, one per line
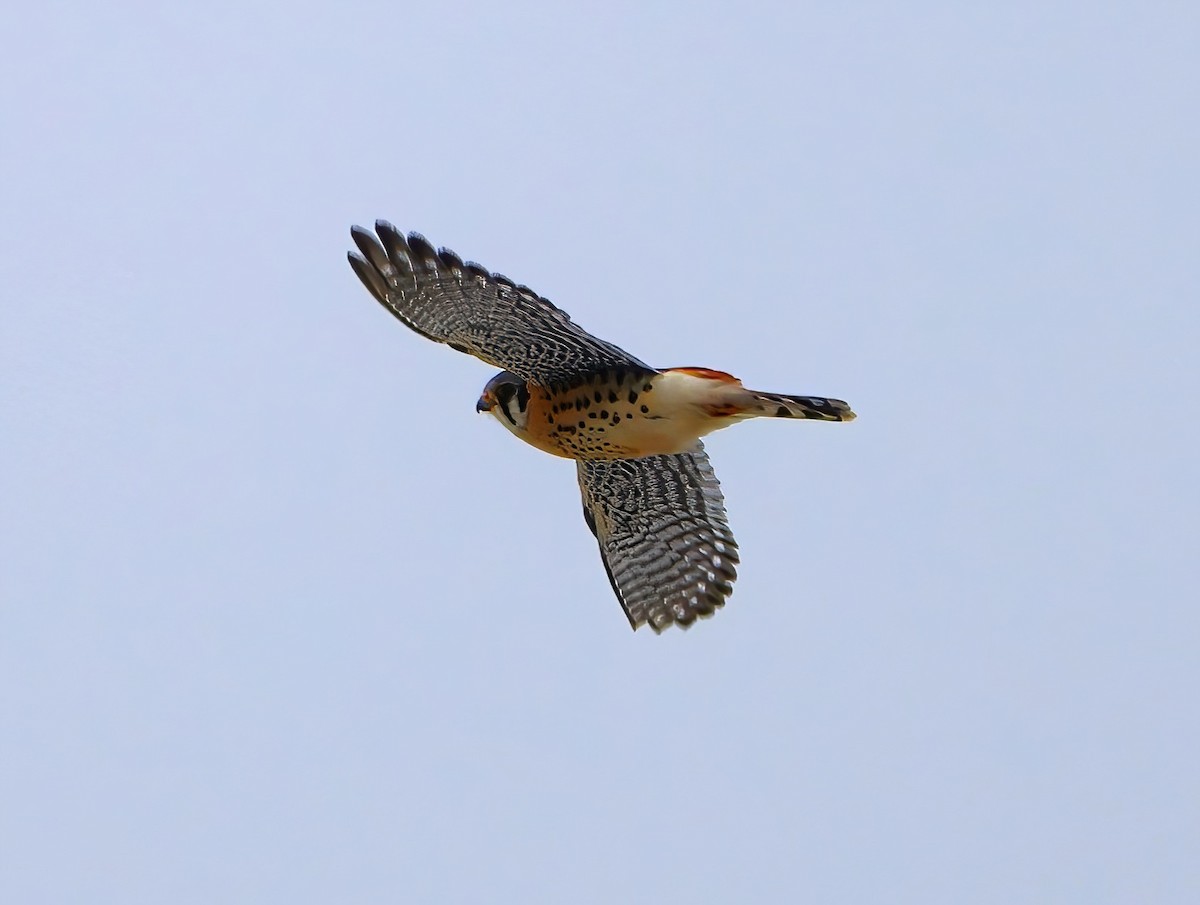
(776, 405)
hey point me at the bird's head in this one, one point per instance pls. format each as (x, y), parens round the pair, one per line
(506, 398)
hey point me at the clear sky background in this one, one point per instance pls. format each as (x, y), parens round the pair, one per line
(284, 620)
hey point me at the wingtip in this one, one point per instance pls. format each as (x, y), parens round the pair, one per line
(684, 615)
(370, 277)
(366, 243)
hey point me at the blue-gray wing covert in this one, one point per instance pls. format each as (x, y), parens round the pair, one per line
(663, 534)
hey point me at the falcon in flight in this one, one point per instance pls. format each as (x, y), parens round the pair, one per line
(649, 493)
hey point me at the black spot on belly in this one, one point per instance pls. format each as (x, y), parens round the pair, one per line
(647, 388)
(629, 416)
(591, 414)
(582, 424)
(632, 396)
(603, 413)
(599, 397)
(612, 396)
(645, 409)
(783, 412)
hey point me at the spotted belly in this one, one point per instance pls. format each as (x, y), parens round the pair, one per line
(606, 417)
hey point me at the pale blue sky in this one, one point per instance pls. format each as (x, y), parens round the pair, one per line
(283, 619)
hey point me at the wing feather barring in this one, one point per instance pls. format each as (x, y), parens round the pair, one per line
(649, 492)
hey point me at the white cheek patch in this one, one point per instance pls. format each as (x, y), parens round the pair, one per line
(510, 415)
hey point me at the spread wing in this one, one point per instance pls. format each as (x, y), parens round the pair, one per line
(477, 312)
(664, 536)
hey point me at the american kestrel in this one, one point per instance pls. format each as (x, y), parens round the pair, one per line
(649, 493)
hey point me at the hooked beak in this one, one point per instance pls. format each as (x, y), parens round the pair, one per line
(485, 403)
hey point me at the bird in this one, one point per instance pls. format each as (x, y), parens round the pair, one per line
(650, 496)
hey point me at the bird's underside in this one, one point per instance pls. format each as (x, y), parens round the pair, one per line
(649, 492)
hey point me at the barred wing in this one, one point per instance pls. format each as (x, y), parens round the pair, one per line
(477, 312)
(663, 533)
